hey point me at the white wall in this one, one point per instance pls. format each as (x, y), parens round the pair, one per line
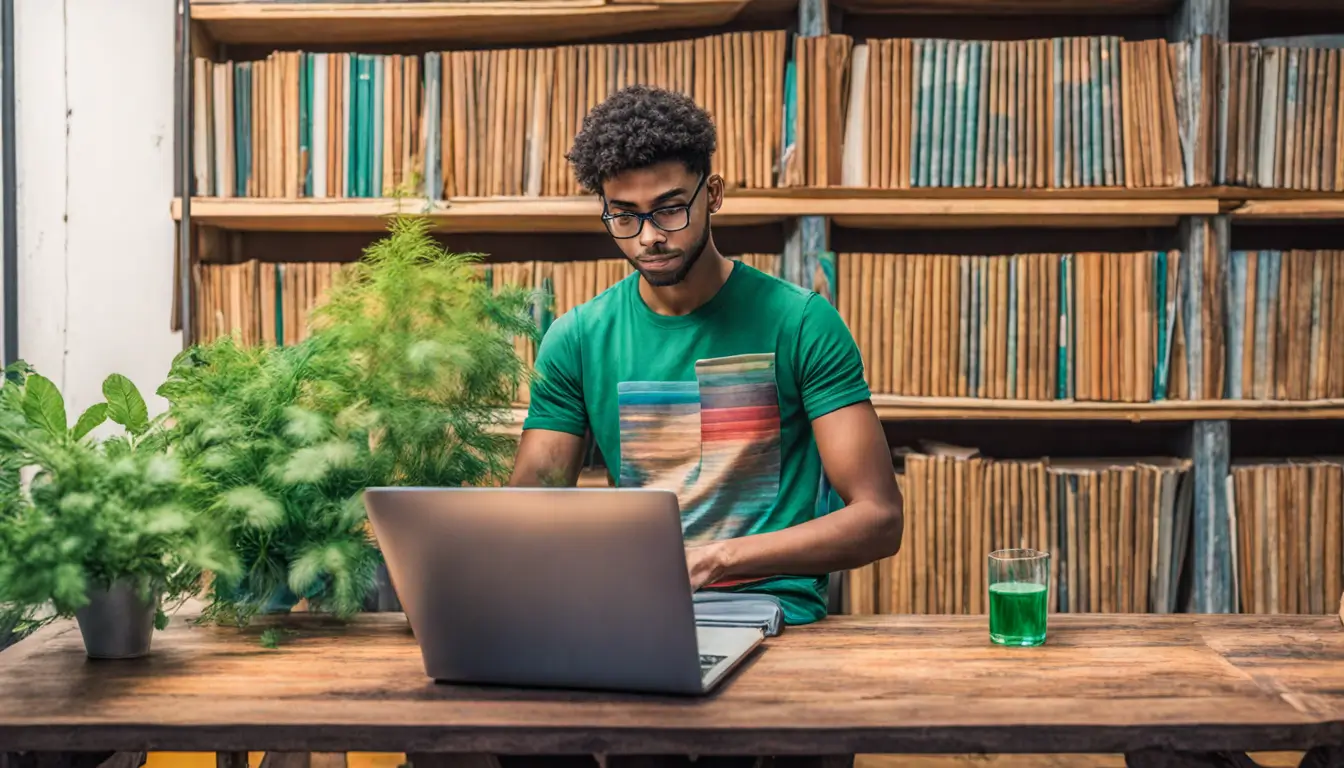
(94, 101)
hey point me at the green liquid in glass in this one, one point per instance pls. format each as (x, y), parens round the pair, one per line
(1017, 613)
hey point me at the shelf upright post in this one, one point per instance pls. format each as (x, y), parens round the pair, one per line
(806, 260)
(1205, 240)
(185, 170)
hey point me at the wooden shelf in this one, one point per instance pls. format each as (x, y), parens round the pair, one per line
(861, 208)
(895, 407)
(899, 408)
(1009, 7)
(1302, 208)
(490, 21)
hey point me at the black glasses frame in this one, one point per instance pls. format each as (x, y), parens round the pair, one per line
(608, 217)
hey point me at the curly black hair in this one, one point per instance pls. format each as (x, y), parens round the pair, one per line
(639, 126)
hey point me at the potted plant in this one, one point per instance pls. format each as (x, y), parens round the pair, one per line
(99, 534)
(408, 370)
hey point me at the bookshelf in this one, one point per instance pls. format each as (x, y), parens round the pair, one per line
(945, 171)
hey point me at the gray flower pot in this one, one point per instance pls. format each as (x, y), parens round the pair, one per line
(117, 623)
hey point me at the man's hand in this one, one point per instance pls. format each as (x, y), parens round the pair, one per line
(857, 459)
(705, 563)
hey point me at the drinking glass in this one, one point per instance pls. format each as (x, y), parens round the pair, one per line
(1019, 583)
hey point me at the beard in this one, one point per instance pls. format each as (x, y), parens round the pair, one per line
(688, 259)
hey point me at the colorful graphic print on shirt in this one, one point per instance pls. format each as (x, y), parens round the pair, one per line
(715, 442)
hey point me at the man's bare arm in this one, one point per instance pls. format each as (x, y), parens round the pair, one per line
(857, 460)
(547, 458)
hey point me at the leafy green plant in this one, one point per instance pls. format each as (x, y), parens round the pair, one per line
(280, 477)
(96, 512)
(409, 367)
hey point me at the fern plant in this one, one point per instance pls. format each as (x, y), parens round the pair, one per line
(408, 368)
(97, 512)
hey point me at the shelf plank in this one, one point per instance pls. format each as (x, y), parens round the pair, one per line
(853, 208)
(894, 407)
(491, 21)
(1302, 208)
(1009, 7)
(899, 408)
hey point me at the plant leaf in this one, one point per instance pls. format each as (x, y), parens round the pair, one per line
(90, 419)
(125, 406)
(44, 406)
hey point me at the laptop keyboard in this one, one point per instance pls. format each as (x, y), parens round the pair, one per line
(707, 662)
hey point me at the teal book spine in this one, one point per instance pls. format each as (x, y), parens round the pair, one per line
(1011, 358)
(958, 158)
(1064, 385)
(955, 90)
(790, 102)
(242, 127)
(970, 131)
(352, 124)
(377, 116)
(937, 135)
(305, 124)
(973, 331)
(926, 112)
(1117, 115)
(994, 162)
(963, 322)
(982, 114)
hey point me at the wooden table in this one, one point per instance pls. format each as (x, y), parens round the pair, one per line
(846, 685)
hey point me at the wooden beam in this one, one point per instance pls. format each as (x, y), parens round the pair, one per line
(489, 22)
(1212, 532)
(1192, 18)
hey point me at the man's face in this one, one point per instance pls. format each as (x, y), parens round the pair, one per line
(664, 190)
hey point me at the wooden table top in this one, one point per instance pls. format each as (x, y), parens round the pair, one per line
(1102, 683)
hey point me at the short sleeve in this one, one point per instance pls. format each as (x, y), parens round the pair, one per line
(556, 394)
(830, 369)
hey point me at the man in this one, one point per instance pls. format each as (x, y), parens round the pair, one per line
(740, 392)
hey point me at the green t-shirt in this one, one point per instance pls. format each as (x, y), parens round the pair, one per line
(715, 406)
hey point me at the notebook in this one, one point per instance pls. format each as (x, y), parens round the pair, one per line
(735, 609)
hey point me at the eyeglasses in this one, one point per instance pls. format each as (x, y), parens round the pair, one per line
(670, 219)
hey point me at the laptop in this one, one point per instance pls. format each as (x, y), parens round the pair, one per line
(582, 588)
